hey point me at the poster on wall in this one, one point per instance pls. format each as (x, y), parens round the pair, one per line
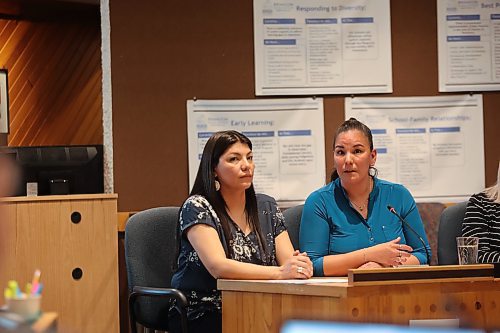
(309, 47)
(287, 137)
(468, 45)
(4, 102)
(432, 145)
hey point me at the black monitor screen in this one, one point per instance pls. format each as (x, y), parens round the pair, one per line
(59, 169)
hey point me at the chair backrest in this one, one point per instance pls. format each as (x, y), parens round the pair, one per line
(293, 215)
(150, 252)
(450, 227)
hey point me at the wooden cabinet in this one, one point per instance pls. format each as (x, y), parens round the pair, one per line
(73, 240)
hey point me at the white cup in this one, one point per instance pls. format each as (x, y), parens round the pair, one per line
(31, 189)
(467, 250)
(28, 308)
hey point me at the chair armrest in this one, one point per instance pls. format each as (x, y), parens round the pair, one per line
(168, 293)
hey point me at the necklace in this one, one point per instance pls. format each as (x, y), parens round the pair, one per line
(359, 207)
(241, 221)
(362, 207)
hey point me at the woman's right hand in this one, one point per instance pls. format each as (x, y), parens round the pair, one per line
(299, 266)
(391, 253)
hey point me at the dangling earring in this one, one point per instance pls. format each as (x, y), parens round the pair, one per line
(217, 185)
(372, 171)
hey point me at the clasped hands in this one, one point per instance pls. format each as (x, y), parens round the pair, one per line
(299, 266)
(389, 254)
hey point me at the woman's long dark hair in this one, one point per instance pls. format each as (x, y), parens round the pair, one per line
(204, 185)
(349, 125)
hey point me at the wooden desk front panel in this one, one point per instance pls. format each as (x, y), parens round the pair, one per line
(40, 234)
(476, 304)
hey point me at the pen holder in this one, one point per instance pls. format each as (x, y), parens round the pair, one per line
(28, 308)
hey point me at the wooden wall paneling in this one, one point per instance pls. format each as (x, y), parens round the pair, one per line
(91, 126)
(6, 32)
(55, 71)
(58, 89)
(16, 62)
(18, 69)
(12, 50)
(47, 88)
(88, 82)
(28, 43)
(33, 67)
(65, 122)
(82, 122)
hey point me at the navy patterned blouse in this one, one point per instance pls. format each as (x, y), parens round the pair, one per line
(192, 277)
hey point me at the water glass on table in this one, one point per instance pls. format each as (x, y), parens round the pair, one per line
(467, 250)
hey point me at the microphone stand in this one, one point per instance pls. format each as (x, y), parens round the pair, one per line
(393, 211)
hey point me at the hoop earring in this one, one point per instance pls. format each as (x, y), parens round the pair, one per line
(217, 185)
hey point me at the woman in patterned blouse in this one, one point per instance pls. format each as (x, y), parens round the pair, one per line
(227, 231)
(482, 219)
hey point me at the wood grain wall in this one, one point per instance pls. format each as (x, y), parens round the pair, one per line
(54, 76)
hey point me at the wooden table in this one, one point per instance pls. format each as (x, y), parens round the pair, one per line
(262, 306)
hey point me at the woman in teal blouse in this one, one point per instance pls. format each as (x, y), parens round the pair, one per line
(346, 224)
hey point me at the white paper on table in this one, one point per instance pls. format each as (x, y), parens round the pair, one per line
(311, 281)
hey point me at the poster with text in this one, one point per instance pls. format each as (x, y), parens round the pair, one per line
(468, 45)
(432, 145)
(308, 47)
(287, 137)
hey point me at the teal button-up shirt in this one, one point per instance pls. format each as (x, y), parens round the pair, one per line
(331, 225)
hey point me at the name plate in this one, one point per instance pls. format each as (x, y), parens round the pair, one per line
(420, 274)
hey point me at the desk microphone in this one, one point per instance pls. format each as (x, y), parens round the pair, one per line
(392, 210)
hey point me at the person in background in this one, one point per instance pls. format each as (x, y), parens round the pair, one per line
(9, 174)
(9, 180)
(227, 231)
(346, 224)
(482, 220)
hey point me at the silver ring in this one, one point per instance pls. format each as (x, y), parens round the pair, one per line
(399, 253)
(399, 247)
(299, 269)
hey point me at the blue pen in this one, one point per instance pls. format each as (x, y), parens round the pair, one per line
(35, 282)
(39, 290)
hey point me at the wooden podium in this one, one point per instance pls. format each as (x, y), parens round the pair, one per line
(469, 293)
(73, 240)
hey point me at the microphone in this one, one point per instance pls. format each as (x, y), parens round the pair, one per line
(392, 210)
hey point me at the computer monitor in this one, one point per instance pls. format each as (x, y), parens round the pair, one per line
(59, 169)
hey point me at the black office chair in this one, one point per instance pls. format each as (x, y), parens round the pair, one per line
(150, 252)
(293, 215)
(450, 227)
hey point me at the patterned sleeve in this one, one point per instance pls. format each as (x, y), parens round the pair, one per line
(269, 212)
(279, 224)
(195, 210)
(480, 222)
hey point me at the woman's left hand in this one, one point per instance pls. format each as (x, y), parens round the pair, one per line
(371, 264)
(308, 270)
